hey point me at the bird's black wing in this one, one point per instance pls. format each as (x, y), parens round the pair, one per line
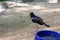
(42, 22)
(37, 19)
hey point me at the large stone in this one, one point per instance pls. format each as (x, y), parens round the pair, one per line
(52, 1)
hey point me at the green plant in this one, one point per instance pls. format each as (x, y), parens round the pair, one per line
(3, 0)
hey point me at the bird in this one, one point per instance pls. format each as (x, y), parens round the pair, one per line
(37, 19)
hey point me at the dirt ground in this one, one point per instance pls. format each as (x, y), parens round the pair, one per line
(15, 23)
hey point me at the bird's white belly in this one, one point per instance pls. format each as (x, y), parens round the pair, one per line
(31, 18)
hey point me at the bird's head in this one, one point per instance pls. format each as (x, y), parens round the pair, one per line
(32, 14)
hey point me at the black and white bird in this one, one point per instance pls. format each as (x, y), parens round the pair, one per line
(38, 20)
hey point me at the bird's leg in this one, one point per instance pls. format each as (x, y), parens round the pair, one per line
(39, 26)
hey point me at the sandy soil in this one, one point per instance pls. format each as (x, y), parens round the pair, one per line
(15, 23)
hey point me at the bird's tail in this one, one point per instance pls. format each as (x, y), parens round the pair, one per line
(46, 25)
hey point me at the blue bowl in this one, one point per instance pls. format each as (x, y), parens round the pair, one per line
(47, 35)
